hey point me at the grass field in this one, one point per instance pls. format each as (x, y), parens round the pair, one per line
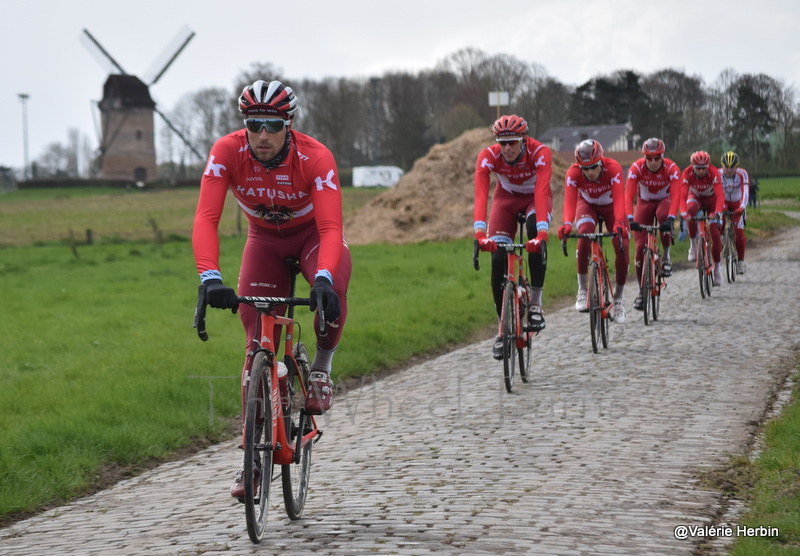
(101, 369)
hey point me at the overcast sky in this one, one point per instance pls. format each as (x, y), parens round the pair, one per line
(41, 53)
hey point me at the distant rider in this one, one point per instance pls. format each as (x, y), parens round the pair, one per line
(523, 167)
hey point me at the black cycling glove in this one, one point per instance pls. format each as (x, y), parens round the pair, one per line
(220, 296)
(330, 301)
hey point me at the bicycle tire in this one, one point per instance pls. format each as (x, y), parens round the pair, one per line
(595, 309)
(731, 257)
(605, 320)
(509, 335)
(659, 284)
(295, 476)
(709, 268)
(258, 448)
(526, 351)
(647, 285)
(701, 267)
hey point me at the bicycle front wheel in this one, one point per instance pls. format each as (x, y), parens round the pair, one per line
(701, 267)
(658, 284)
(647, 285)
(731, 258)
(595, 307)
(709, 268)
(509, 335)
(258, 448)
(294, 476)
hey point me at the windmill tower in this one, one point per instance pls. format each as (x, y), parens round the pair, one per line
(127, 138)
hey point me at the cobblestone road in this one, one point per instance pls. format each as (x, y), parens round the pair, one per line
(597, 454)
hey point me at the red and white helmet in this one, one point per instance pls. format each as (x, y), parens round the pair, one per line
(700, 158)
(270, 99)
(653, 147)
(588, 152)
(507, 128)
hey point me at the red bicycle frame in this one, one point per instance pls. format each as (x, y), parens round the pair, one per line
(268, 319)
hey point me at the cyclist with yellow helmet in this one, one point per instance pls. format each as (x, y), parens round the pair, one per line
(736, 187)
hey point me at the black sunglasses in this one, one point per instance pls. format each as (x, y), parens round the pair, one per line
(592, 167)
(255, 125)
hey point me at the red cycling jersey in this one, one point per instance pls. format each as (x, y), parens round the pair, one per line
(302, 192)
(702, 189)
(606, 190)
(530, 175)
(653, 186)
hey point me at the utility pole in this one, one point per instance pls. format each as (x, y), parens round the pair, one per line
(24, 98)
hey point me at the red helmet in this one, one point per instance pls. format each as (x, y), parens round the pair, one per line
(271, 99)
(510, 127)
(588, 152)
(700, 158)
(653, 147)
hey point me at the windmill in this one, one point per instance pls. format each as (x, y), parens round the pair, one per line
(127, 139)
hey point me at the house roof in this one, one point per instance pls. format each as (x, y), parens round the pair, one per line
(568, 137)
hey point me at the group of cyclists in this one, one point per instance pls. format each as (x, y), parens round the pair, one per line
(287, 185)
(596, 190)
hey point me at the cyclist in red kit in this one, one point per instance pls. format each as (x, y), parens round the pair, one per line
(594, 189)
(287, 185)
(656, 181)
(523, 167)
(701, 189)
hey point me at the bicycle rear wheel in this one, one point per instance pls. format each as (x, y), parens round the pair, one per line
(595, 307)
(294, 476)
(258, 448)
(509, 335)
(647, 285)
(525, 352)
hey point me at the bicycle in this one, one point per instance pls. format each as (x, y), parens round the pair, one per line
(600, 299)
(277, 430)
(652, 281)
(703, 262)
(513, 330)
(729, 252)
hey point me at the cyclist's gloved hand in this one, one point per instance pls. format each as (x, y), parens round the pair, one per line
(564, 230)
(330, 301)
(737, 213)
(634, 225)
(666, 227)
(487, 244)
(621, 229)
(535, 245)
(220, 296)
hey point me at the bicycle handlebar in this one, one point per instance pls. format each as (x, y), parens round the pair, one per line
(476, 249)
(593, 236)
(260, 303)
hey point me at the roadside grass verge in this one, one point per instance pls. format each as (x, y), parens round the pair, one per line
(102, 368)
(769, 485)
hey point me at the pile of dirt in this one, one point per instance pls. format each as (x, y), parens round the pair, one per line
(434, 201)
